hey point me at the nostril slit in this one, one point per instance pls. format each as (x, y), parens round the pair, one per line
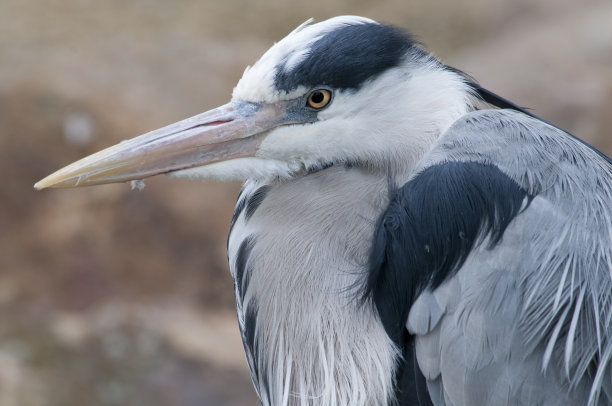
(217, 122)
(210, 123)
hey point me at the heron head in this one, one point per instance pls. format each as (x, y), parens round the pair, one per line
(344, 91)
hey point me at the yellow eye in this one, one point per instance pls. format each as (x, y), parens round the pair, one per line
(319, 98)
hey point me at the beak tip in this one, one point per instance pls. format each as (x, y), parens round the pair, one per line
(41, 184)
(50, 181)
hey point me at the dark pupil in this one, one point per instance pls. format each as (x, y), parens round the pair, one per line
(317, 97)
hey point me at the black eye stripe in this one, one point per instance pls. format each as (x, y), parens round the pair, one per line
(347, 57)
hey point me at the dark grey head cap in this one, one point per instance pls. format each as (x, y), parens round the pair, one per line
(347, 57)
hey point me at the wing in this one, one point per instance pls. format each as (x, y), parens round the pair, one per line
(495, 260)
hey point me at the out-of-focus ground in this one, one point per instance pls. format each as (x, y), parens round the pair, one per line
(116, 297)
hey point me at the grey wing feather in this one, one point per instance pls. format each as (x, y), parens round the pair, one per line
(529, 321)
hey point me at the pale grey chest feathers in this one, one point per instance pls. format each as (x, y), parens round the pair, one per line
(295, 269)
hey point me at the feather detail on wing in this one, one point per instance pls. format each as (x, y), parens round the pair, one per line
(567, 302)
(517, 215)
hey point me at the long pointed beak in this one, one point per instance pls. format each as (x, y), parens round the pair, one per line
(234, 130)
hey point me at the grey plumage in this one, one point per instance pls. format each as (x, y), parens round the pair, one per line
(392, 243)
(525, 323)
(542, 298)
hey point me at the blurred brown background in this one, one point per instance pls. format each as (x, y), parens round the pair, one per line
(116, 297)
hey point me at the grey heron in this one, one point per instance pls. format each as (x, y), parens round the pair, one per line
(395, 242)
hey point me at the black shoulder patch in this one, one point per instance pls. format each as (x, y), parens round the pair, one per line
(411, 386)
(425, 236)
(429, 229)
(347, 56)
